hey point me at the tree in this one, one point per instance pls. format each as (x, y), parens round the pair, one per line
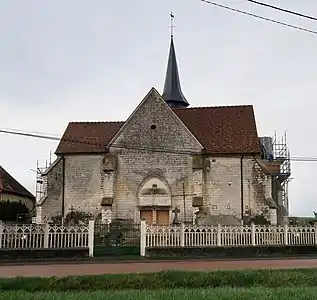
(257, 219)
(74, 217)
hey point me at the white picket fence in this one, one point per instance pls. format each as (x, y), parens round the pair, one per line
(217, 236)
(69, 237)
(47, 236)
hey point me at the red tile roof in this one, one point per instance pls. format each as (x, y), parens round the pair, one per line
(9, 185)
(87, 137)
(221, 130)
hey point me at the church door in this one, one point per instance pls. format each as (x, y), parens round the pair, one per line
(147, 215)
(162, 217)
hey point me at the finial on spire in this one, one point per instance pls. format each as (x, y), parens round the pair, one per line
(172, 24)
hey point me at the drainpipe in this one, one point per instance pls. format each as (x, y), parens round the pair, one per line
(184, 202)
(241, 189)
(63, 189)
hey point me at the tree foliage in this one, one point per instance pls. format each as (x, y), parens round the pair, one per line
(73, 218)
(257, 219)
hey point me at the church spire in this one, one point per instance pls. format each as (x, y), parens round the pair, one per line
(172, 93)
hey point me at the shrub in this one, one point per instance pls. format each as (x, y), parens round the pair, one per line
(72, 218)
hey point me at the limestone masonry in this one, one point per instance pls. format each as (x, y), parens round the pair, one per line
(167, 163)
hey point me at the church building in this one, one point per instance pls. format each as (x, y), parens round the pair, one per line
(167, 163)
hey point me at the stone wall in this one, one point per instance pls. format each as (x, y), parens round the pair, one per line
(86, 184)
(153, 125)
(136, 166)
(223, 188)
(51, 202)
(83, 189)
(218, 181)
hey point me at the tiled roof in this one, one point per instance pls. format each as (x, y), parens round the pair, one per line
(221, 130)
(87, 137)
(9, 185)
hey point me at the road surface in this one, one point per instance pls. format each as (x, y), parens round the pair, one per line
(84, 268)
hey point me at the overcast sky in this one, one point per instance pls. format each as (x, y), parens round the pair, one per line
(78, 60)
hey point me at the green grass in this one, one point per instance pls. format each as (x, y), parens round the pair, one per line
(166, 280)
(183, 294)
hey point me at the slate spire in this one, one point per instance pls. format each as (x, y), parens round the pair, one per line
(172, 93)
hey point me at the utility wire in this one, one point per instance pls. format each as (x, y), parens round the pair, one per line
(95, 142)
(35, 134)
(283, 10)
(259, 17)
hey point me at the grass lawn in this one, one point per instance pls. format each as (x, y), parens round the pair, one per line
(169, 280)
(183, 294)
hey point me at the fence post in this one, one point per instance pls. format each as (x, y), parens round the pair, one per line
(253, 234)
(182, 236)
(285, 234)
(315, 225)
(218, 235)
(91, 233)
(46, 235)
(143, 238)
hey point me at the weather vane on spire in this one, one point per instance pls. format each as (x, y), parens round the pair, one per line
(172, 24)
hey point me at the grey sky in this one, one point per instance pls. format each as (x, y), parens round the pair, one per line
(81, 60)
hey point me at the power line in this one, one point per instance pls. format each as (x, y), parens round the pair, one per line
(283, 10)
(259, 17)
(35, 135)
(96, 143)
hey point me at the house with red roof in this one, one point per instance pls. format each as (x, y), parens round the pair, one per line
(167, 163)
(12, 191)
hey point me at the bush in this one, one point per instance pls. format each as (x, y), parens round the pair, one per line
(232, 252)
(72, 218)
(123, 252)
(166, 280)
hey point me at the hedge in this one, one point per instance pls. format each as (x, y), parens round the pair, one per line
(233, 252)
(105, 251)
(165, 280)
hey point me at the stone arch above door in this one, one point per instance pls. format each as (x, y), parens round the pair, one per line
(154, 191)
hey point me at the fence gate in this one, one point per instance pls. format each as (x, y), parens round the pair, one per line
(116, 239)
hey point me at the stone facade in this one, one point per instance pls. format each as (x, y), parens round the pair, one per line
(87, 184)
(154, 163)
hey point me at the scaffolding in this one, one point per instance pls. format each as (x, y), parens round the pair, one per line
(281, 155)
(40, 184)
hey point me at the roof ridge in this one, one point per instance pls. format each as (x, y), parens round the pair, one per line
(220, 106)
(96, 122)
